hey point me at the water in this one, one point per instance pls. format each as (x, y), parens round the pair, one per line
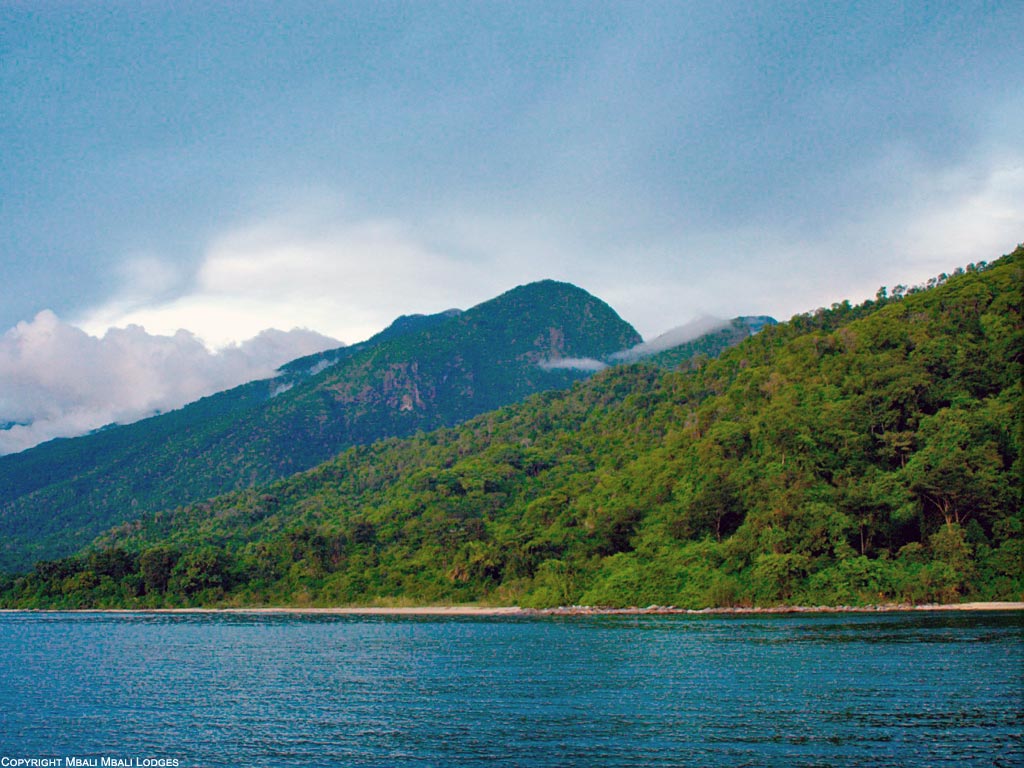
(907, 689)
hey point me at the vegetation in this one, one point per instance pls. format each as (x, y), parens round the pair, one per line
(854, 455)
(421, 373)
(710, 345)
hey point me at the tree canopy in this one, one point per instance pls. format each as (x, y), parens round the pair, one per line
(853, 455)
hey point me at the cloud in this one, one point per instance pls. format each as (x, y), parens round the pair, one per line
(672, 338)
(973, 213)
(573, 364)
(56, 380)
(909, 219)
(347, 278)
(898, 216)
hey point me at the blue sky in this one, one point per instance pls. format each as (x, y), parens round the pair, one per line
(229, 167)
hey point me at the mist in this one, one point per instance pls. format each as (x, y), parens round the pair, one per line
(56, 380)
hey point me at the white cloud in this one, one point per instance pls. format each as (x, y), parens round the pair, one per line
(981, 217)
(573, 364)
(673, 338)
(895, 218)
(57, 380)
(345, 278)
(920, 221)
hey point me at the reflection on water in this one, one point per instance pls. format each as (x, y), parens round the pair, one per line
(234, 689)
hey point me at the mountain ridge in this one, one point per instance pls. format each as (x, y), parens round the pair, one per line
(420, 372)
(848, 456)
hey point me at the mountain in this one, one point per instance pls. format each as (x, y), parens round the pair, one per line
(421, 373)
(853, 455)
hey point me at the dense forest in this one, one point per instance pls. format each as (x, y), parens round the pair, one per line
(421, 373)
(854, 455)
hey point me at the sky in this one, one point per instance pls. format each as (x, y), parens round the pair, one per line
(191, 174)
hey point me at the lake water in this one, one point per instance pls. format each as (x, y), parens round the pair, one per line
(907, 689)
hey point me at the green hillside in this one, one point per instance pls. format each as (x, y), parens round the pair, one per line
(421, 373)
(854, 455)
(711, 344)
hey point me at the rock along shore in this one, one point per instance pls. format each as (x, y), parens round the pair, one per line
(586, 610)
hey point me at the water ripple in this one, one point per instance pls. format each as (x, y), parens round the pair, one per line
(230, 690)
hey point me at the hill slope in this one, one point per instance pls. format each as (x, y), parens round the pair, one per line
(421, 373)
(853, 455)
(711, 344)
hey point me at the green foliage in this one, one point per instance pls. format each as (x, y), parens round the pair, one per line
(695, 353)
(155, 568)
(421, 373)
(858, 455)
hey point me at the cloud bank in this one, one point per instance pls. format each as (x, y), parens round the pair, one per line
(573, 364)
(673, 338)
(316, 269)
(56, 380)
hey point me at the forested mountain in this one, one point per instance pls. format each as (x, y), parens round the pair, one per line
(421, 373)
(711, 344)
(859, 454)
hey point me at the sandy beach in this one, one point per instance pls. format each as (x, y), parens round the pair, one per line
(574, 610)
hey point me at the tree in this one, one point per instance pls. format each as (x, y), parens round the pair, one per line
(959, 472)
(199, 570)
(155, 565)
(715, 508)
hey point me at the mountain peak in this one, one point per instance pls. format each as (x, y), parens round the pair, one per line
(419, 373)
(564, 320)
(547, 288)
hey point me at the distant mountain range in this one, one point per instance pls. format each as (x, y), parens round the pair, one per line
(420, 373)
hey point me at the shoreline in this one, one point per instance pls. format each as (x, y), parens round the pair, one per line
(514, 611)
(656, 610)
